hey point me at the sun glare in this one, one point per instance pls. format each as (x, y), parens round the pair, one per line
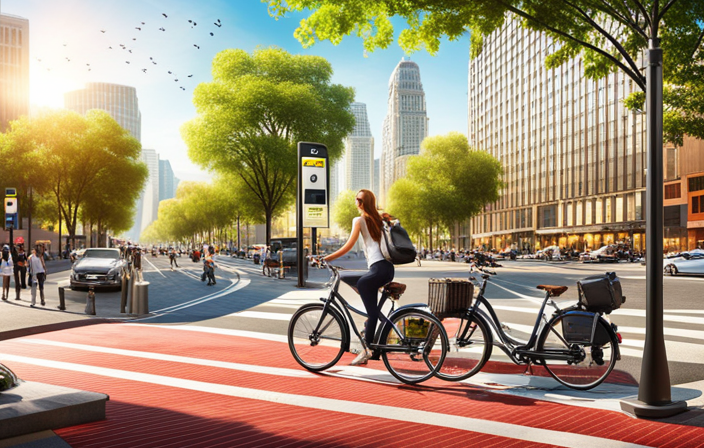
(47, 90)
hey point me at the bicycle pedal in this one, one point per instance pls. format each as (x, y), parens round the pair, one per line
(375, 356)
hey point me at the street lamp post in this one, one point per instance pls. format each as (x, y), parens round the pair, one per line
(654, 394)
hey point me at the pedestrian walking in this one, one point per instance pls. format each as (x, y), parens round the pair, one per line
(209, 266)
(19, 259)
(6, 271)
(37, 275)
(172, 258)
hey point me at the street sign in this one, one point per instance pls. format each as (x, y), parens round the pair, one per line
(10, 206)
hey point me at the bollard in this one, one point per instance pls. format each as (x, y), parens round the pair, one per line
(140, 298)
(62, 299)
(123, 295)
(90, 302)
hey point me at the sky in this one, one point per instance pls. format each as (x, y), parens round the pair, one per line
(70, 40)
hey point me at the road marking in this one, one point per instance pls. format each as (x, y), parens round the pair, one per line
(224, 331)
(262, 315)
(172, 358)
(156, 268)
(489, 427)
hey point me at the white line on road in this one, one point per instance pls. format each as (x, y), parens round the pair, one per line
(156, 268)
(172, 358)
(406, 415)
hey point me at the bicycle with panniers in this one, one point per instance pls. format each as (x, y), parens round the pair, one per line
(576, 345)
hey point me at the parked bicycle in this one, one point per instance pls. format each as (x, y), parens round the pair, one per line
(576, 345)
(410, 340)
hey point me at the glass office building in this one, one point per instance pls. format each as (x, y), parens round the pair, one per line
(574, 158)
(405, 125)
(359, 152)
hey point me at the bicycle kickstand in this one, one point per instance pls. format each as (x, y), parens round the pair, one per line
(529, 369)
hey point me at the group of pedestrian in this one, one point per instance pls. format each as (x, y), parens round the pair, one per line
(14, 263)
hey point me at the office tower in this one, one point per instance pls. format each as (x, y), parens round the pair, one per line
(375, 178)
(14, 69)
(150, 196)
(119, 101)
(167, 181)
(405, 125)
(359, 152)
(573, 156)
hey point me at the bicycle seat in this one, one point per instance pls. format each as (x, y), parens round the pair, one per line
(554, 291)
(394, 289)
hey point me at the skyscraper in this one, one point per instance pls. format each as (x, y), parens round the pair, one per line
(573, 155)
(359, 152)
(405, 125)
(119, 101)
(14, 68)
(167, 181)
(375, 178)
(150, 195)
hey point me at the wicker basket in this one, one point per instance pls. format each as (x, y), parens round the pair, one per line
(449, 297)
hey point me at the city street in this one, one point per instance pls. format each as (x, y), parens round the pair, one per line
(247, 388)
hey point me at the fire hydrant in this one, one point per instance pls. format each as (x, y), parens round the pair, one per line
(90, 302)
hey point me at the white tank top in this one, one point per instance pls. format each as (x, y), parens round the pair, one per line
(372, 251)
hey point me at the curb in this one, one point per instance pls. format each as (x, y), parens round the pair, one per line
(28, 331)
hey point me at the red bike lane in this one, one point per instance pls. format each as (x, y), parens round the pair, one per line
(170, 387)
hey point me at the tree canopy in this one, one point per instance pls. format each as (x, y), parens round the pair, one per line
(447, 183)
(256, 109)
(609, 34)
(78, 160)
(345, 210)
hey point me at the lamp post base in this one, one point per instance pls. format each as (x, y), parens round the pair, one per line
(640, 409)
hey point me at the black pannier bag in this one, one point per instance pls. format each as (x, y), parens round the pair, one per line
(601, 293)
(577, 327)
(449, 297)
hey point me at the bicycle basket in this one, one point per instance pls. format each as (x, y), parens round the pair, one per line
(449, 297)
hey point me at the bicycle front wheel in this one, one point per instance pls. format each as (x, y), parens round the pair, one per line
(414, 346)
(469, 349)
(587, 365)
(314, 343)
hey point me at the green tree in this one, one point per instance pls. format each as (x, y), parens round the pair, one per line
(70, 156)
(345, 210)
(256, 109)
(445, 184)
(610, 34)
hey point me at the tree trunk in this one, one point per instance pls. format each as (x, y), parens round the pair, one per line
(430, 237)
(268, 213)
(29, 221)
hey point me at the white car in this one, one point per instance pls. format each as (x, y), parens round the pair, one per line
(691, 262)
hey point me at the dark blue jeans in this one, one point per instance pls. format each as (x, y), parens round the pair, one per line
(380, 273)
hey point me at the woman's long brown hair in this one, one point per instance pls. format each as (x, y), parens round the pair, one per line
(371, 216)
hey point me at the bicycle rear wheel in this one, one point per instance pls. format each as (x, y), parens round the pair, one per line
(589, 364)
(469, 349)
(317, 350)
(416, 352)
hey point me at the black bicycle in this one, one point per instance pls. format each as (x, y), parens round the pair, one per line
(411, 341)
(579, 348)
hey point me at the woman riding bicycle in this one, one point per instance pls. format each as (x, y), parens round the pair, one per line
(381, 271)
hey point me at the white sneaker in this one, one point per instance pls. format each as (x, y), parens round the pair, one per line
(362, 358)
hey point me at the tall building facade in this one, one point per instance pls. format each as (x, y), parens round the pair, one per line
(574, 158)
(359, 151)
(375, 178)
(119, 101)
(405, 125)
(167, 181)
(14, 69)
(150, 196)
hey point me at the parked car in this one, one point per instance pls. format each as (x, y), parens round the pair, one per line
(99, 268)
(691, 262)
(606, 254)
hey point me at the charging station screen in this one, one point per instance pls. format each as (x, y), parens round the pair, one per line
(314, 197)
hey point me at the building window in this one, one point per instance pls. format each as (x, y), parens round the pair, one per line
(697, 204)
(673, 191)
(696, 183)
(547, 216)
(672, 216)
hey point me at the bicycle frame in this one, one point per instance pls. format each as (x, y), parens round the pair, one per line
(518, 351)
(336, 301)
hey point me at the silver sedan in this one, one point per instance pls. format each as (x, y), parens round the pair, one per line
(691, 262)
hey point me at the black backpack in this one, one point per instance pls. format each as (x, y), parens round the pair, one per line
(395, 244)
